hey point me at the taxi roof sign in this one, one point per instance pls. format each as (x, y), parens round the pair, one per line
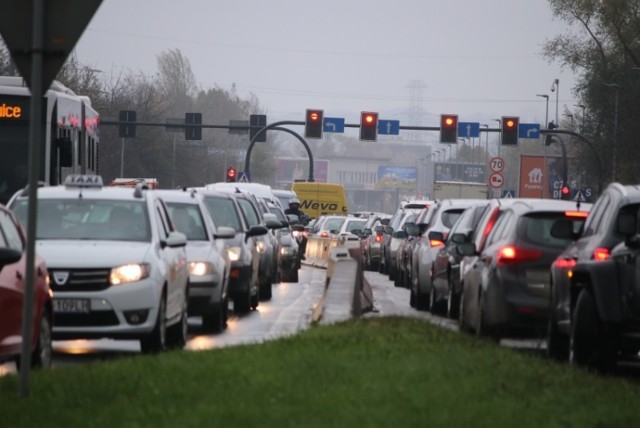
(83, 180)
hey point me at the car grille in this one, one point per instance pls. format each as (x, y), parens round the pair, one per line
(79, 279)
(94, 318)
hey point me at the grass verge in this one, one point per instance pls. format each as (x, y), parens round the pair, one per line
(374, 372)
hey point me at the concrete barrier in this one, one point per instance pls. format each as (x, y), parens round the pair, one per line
(346, 293)
(317, 253)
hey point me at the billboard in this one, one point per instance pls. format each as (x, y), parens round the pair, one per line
(451, 171)
(400, 177)
(540, 179)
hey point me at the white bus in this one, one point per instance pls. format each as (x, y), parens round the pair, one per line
(69, 136)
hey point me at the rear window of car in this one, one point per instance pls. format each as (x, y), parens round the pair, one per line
(224, 212)
(536, 228)
(333, 224)
(450, 217)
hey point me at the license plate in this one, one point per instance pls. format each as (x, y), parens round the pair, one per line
(76, 306)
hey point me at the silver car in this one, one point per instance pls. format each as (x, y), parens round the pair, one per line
(209, 263)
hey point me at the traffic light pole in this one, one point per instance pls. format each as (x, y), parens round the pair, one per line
(276, 126)
(584, 140)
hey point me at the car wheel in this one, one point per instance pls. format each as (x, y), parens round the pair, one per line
(586, 344)
(412, 298)
(397, 278)
(422, 300)
(482, 330)
(434, 305)
(177, 334)
(265, 291)
(290, 275)
(453, 303)
(156, 341)
(242, 303)
(214, 321)
(41, 356)
(255, 301)
(392, 272)
(557, 343)
(463, 325)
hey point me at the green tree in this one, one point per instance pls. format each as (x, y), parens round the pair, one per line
(602, 45)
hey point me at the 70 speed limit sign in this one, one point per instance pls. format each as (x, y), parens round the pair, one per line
(496, 164)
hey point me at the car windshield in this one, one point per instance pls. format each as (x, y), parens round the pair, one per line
(188, 220)
(89, 219)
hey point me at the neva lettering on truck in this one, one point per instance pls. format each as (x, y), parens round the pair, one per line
(318, 199)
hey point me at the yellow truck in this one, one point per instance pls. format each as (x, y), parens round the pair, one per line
(318, 199)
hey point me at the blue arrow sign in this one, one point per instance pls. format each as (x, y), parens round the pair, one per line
(389, 127)
(469, 129)
(333, 124)
(529, 130)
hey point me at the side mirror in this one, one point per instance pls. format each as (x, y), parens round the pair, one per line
(388, 230)
(401, 234)
(176, 239)
(459, 238)
(436, 236)
(385, 221)
(8, 256)
(224, 232)
(466, 249)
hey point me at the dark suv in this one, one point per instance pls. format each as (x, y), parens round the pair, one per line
(594, 300)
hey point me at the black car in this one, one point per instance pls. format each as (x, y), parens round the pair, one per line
(506, 273)
(572, 291)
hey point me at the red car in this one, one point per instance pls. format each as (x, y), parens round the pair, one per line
(12, 284)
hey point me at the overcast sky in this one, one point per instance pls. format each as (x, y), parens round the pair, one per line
(480, 59)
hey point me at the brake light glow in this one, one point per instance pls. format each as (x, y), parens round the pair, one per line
(324, 234)
(601, 254)
(378, 238)
(435, 243)
(578, 214)
(511, 255)
(564, 263)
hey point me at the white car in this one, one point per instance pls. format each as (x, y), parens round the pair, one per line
(209, 262)
(117, 265)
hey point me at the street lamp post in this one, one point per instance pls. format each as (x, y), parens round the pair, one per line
(546, 114)
(499, 126)
(615, 131)
(555, 87)
(486, 153)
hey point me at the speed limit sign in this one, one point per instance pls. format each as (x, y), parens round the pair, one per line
(496, 164)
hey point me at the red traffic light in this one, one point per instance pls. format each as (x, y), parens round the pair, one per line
(231, 174)
(313, 123)
(368, 126)
(565, 190)
(449, 128)
(509, 134)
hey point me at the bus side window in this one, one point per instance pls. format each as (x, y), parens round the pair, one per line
(65, 151)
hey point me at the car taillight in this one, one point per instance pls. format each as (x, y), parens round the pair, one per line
(576, 214)
(378, 238)
(435, 243)
(512, 255)
(563, 263)
(601, 254)
(324, 234)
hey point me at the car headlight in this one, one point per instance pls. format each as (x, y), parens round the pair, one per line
(262, 247)
(234, 253)
(286, 251)
(201, 268)
(129, 273)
